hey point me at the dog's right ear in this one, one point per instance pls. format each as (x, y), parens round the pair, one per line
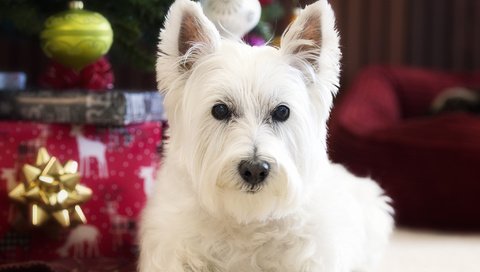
(187, 36)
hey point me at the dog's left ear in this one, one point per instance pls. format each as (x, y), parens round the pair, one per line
(186, 37)
(311, 43)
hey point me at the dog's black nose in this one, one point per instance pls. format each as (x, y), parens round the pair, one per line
(254, 172)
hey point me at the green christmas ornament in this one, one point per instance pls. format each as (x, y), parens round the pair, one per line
(76, 37)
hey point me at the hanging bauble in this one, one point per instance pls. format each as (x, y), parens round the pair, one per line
(233, 18)
(76, 37)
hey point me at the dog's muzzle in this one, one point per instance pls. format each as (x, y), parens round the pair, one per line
(254, 172)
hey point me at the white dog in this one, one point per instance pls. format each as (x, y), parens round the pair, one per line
(246, 184)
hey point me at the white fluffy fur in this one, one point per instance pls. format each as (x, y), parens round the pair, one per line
(310, 214)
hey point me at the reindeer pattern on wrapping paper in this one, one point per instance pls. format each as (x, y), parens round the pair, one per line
(10, 176)
(147, 174)
(120, 225)
(88, 149)
(84, 240)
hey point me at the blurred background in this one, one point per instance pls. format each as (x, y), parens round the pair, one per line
(438, 34)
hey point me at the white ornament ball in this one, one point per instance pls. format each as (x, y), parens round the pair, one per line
(233, 18)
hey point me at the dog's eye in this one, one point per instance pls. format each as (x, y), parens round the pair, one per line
(221, 112)
(281, 113)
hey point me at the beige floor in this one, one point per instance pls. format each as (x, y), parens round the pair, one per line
(420, 251)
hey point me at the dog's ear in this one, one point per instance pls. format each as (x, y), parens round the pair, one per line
(187, 36)
(312, 44)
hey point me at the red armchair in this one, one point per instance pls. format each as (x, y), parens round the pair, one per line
(429, 165)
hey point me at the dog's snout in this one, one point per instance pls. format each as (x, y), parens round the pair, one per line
(254, 172)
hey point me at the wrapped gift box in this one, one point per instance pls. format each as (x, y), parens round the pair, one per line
(82, 107)
(117, 163)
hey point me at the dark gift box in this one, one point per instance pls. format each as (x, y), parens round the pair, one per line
(114, 107)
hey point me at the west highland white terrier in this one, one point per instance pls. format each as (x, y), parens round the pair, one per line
(246, 184)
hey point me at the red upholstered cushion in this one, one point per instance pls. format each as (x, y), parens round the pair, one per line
(428, 164)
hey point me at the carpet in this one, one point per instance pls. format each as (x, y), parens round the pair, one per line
(423, 251)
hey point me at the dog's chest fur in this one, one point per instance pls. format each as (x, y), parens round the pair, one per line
(279, 245)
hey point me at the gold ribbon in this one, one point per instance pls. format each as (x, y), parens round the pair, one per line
(51, 190)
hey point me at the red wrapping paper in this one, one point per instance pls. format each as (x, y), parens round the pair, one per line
(117, 163)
